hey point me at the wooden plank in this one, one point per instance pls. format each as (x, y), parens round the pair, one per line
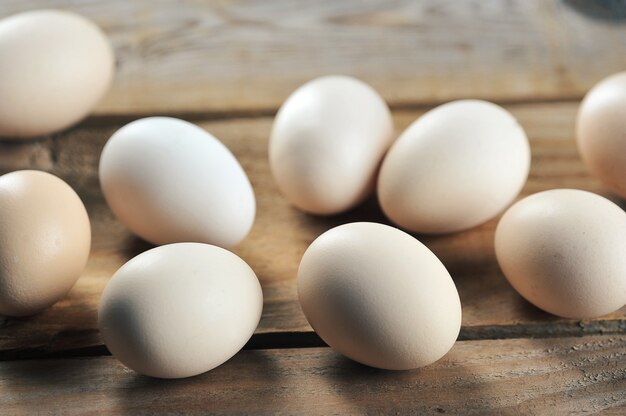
(521, 376)
(281, 234)
(246, 56)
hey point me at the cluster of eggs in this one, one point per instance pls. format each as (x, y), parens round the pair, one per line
(371, 291)
(378, 295)
(174, 311)
(55, 66)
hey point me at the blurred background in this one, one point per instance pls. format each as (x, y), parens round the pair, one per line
(247, 56)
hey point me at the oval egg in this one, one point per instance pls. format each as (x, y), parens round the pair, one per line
(564, 250)
(180, 310)
(170, 181)
(327, 142)
(601, 132)
(46, 239)
(55, 67)
(378, 296)
(455, 167)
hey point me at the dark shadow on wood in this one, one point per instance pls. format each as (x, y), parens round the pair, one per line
(611, 11)
(309, 339)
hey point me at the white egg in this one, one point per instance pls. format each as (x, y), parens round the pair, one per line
(327, 142)
(379, 296)
(564, 250)
(54, 68)
(180, 310)
(170, 181)
(455, 167)
(601, 132)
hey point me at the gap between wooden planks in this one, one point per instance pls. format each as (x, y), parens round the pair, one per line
(521, 376)
(491, 309)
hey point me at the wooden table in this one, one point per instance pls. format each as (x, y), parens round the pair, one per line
(228, 66)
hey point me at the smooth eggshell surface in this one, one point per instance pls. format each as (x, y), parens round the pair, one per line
(45, 239)
(54, 68)
(455, 167)
(170, 181)
(327, 142)
(379, 296)
(564, 250)
(180, 310)
(601, 132)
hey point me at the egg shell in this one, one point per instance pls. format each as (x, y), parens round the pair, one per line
(180, 310)
(564, 250)
(45, 239)
(601, 132)
(378, 296)
(170, 181)
(454, 168)
(55, 67)
(327, 142)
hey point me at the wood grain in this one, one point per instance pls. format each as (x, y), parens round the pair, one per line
(491, 309)
(247, 56)
(504, 377)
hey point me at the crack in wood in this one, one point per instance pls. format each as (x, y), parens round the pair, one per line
(309, 339)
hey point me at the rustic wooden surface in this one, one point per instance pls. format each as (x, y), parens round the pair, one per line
(243, 56)
(505, 377)
(227, 66)
(281, 234)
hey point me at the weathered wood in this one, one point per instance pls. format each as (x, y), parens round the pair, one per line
(243, 56)
(491, 309)
(228, 65)
(521, 376)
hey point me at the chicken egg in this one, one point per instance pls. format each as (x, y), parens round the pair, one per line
(45, 240)
(327, 142)
(378, 296)
(564, 250)
(455, 167)
(601, 132)
(55, 66)
(179, 310)
(170, 181)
